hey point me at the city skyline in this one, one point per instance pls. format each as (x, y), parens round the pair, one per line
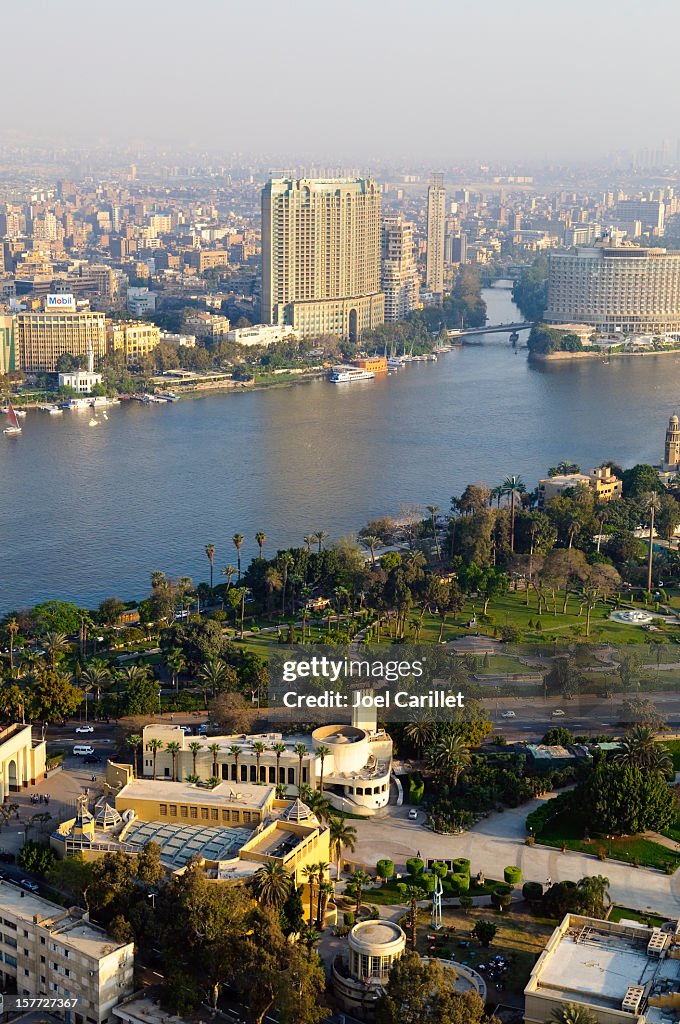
(502, 78)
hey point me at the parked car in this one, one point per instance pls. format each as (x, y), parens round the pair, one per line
(508, 714)
(91, 759)
(413, 814)
(558, 713)
(84, 728)
(26, 883)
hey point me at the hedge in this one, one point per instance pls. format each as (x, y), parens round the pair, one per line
(426, 880)
(414, 866)
(385, 869)
(457, 885)
(461, 866)
(532, 891)
(416, 788)
(512, 875)
(440, 868)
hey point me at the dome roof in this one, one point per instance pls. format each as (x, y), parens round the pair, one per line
(297, 812)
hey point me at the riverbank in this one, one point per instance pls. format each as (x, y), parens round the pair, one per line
(561, 357)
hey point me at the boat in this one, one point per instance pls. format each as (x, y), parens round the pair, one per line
(169, 396)
(432, 358)
(77, 403)
(20, 412)
(102, 400)
(94, 422)
(349, 374)
(12, 421)
(53, 410)
(394, 362)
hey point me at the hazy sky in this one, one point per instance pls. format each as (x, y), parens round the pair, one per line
(352, 80)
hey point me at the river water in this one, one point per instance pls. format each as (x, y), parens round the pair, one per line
(87, 512)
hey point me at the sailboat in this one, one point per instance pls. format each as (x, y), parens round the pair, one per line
(12, 421)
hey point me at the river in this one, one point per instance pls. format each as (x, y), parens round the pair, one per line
(87, 512)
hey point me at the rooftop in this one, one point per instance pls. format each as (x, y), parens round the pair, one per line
(69, 926)
(179, 843)
(224, 794)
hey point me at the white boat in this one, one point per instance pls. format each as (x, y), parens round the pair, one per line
(103, 400)
(432, 358)
(12, 421)
(349, 374)
(53, 410)
(169, 396)
(94, 422)
(395, 362)
(21, 412)
(78, 403)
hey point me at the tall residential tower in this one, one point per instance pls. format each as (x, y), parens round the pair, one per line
(399, 272)
(436, 222)
(321, 255)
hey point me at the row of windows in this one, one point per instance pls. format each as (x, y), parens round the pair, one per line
(208, 813)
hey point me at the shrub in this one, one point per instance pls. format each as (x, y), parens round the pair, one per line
(501, 897)
(461, 866)
(414, 866)
(349, 918)
(459, 884)
(416, 788)
(512, 875)
(426, 880)
(532, 891)
(384, 869)
(440, 868)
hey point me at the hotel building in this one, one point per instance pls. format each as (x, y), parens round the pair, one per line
(321, 256)
(135, 340)
(43, 337)
(616, 289)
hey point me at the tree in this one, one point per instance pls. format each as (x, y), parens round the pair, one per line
(652, 503)
(233, 713)
(150, 870)
(300, 751)
(134, 740)
(154, 745)
(342, 837)
(142, 691)
(279, 749)
(412, 893)
(260, 538)
(173, 748)
(449, 757)
(320, 536)
(371, 542)
(176, 662)
(485, 932)
(272, 884)
(420, 990)
(52, 697)
(322, 752)
(623, 799)
(572, 1013)
(355, 887)
(72, 876)
(210, 555)
(311, 875)
(258, 749)
(514, 487)
(639, 747)
(600, 583)
(35, 857)
(237, 541)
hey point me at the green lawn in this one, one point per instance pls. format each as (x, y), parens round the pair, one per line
(567, 829)
(621, 913)
(520, 938)
(388, 893)
(673, 747)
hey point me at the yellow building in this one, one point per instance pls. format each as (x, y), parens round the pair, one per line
(376, 364)
(44, 336)
(135, 339)
(321, 243)
(182, 802)
(22, 760)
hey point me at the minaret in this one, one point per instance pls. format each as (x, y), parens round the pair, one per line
(90, 358)
(672, 447)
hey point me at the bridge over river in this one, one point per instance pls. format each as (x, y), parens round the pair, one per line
(490, 329)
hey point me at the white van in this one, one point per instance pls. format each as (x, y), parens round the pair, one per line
(83, 749)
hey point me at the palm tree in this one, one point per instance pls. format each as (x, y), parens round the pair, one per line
(420, 731)
(322, 753)
(237, 541)
(235, 751)
(449, 756)
(325, 890)
(214, 674)
(214, 749)
(176, 662)
(55, 644)
(210, 555)
(639, 747)
(258, 749)
(12, 630)
(371, 542)
(342, 837)
(229, 571)
(174, 749)
(311, 873)
(309, 539)
(279, 749)
(309, 937)
(134, 740)
(652, 503)
(433, 509)
(95, 676)
(513, 486)
(572, 1013)
(320, 536)
(272, 884)
(154, 746)
(413, 893)
(195, 748)
(260, 538)
(318, 804)
(300, 750)
(357, 883)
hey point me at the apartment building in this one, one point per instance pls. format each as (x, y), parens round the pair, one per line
(49, 951)
(134, 339)
(44, 336)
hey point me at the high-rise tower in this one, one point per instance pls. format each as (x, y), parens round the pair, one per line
(321, 255)
(399, 272)
(436, 221)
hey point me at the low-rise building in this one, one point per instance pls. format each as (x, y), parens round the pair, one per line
(623, 973)
(135, 340)
(261, 334)
(141, 301)
(601, 480)
(81, 381)
(59, 954)
(22, 759)
(206, 325)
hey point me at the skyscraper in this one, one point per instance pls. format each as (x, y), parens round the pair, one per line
(436, 221)
(399, 272)
(321, 255)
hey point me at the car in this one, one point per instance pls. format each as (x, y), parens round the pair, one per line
(558, 713)
(26, 883)
(84, 728)
(413, 814)
(91, 759)
(508, 714)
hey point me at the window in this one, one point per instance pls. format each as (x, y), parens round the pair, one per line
(173, 810)
(164, 810)
(214, 814)
(193, 812)
(184, 811)
(204, 813)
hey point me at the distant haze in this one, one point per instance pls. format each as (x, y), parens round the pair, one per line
(322, 80)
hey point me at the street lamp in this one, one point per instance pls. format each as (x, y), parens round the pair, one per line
(152, 896)
(160, 710)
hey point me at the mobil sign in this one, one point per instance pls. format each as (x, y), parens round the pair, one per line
(60, 302)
